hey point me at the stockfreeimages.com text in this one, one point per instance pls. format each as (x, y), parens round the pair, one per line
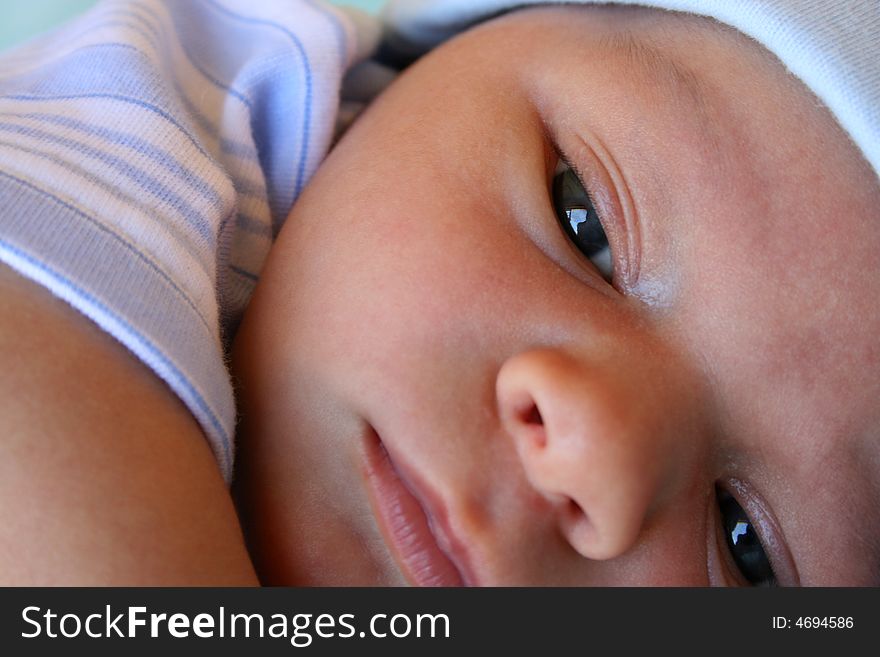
(301, 629)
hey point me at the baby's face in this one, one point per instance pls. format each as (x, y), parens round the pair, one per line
(438, 386)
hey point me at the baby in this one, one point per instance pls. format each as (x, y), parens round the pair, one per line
(586, 297)
(439, 386)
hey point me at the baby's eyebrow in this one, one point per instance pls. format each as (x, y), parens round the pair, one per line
(661, 69)
(657, 65)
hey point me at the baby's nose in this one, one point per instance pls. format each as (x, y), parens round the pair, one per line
(605, 440)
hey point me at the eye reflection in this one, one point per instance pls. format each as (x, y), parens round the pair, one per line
(741, 529)
(576, 217)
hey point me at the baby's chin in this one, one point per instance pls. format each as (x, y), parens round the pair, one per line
(306, 542)
(329, 561)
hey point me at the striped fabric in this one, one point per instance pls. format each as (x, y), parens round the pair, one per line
(149, 153)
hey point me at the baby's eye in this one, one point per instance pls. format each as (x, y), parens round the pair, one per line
(579, 219)
(743, 543)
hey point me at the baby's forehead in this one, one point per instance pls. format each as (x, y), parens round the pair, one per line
(828, 49)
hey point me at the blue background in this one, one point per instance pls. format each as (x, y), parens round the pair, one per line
(21, 19)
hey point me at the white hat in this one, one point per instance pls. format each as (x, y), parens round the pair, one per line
(833, 46)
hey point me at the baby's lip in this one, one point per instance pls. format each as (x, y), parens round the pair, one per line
(414, 530)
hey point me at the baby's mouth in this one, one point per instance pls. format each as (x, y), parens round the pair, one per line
(404, 522)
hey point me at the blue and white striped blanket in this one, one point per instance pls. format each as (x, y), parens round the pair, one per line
(149, 153)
